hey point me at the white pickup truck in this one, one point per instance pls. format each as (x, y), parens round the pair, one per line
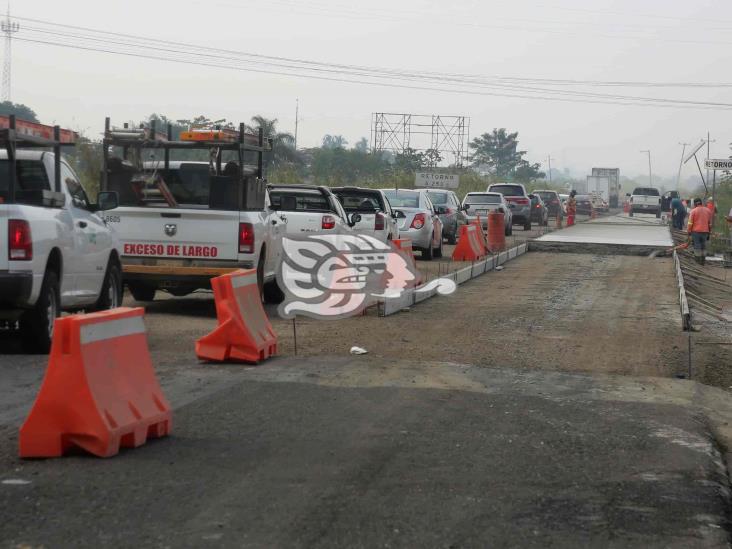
(645, 200)
(56, 252)
(198, 232)
(183, 222)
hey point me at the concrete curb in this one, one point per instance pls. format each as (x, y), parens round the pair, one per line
(392, 305)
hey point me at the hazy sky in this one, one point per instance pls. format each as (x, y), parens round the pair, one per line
(623, 40)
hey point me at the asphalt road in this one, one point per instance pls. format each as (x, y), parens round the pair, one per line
(313, 454)
(459, 437)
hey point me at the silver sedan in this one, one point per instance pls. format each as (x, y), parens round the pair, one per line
(417, 220)
(477, 205)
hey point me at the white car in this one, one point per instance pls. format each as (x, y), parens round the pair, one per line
(305, 209)
(645, 200)
(478, 205)
(309, 209)
(56, 251)
(377, 218)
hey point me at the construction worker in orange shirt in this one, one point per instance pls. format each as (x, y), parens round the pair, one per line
(699, 228)
(571, 208)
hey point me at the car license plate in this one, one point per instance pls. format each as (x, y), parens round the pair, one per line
(482, 212)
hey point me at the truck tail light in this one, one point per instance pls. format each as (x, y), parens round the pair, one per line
(246, 238)
(20, 243)
(379, 222)
(328, 222)
(418, 221)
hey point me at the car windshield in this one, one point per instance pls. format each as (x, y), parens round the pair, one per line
(483, 199)
(30, 176)
(582, 198)
(360, 202)
(507, 190)
(646, 191)
(547, 197)
(404, 199)
(437, 198)
(296, 200)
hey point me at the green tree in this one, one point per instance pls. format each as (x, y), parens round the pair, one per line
(526, 172)
(18, 109)
(86, 159)
(362, 145)
(334, 142)
(409, 161)
(498, 151)
(432, 158)
(283, 143)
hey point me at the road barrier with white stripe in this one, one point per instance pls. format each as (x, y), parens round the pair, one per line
(100, 391)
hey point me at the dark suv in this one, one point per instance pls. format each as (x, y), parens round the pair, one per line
(518, 199)
(552, 202)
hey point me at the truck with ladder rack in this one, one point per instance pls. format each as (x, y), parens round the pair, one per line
(183, 221)
(56, 251)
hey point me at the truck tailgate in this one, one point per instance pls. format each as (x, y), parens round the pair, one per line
(181, 233)
(304, 222)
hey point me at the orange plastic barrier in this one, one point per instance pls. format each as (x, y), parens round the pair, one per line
(482, 240)
(100, 392)
(244, 333)
(496, 232)
(468, 247)
(405, 245)
(626, 207)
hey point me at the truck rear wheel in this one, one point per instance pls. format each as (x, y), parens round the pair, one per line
(36, 324)
(141, 291)
(272, 293)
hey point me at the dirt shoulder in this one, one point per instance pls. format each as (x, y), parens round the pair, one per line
(570, 312)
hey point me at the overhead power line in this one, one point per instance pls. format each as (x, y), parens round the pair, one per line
(86, 39)
(156, 42)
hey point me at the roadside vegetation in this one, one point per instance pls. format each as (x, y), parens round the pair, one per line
(494, 156)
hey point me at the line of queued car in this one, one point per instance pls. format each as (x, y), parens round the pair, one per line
(428, 217)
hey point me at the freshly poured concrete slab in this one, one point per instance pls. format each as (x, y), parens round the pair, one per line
(618, 234)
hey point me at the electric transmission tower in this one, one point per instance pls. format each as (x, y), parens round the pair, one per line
(8, 28)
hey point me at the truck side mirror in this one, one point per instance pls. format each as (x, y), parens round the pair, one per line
(107, 200)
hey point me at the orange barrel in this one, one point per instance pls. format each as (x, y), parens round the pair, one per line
(496, 231)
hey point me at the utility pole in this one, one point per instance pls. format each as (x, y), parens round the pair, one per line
(549, 159)
(297, 118)
(650, 172)
(681, 163)
(8, 28)
(707, 154)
